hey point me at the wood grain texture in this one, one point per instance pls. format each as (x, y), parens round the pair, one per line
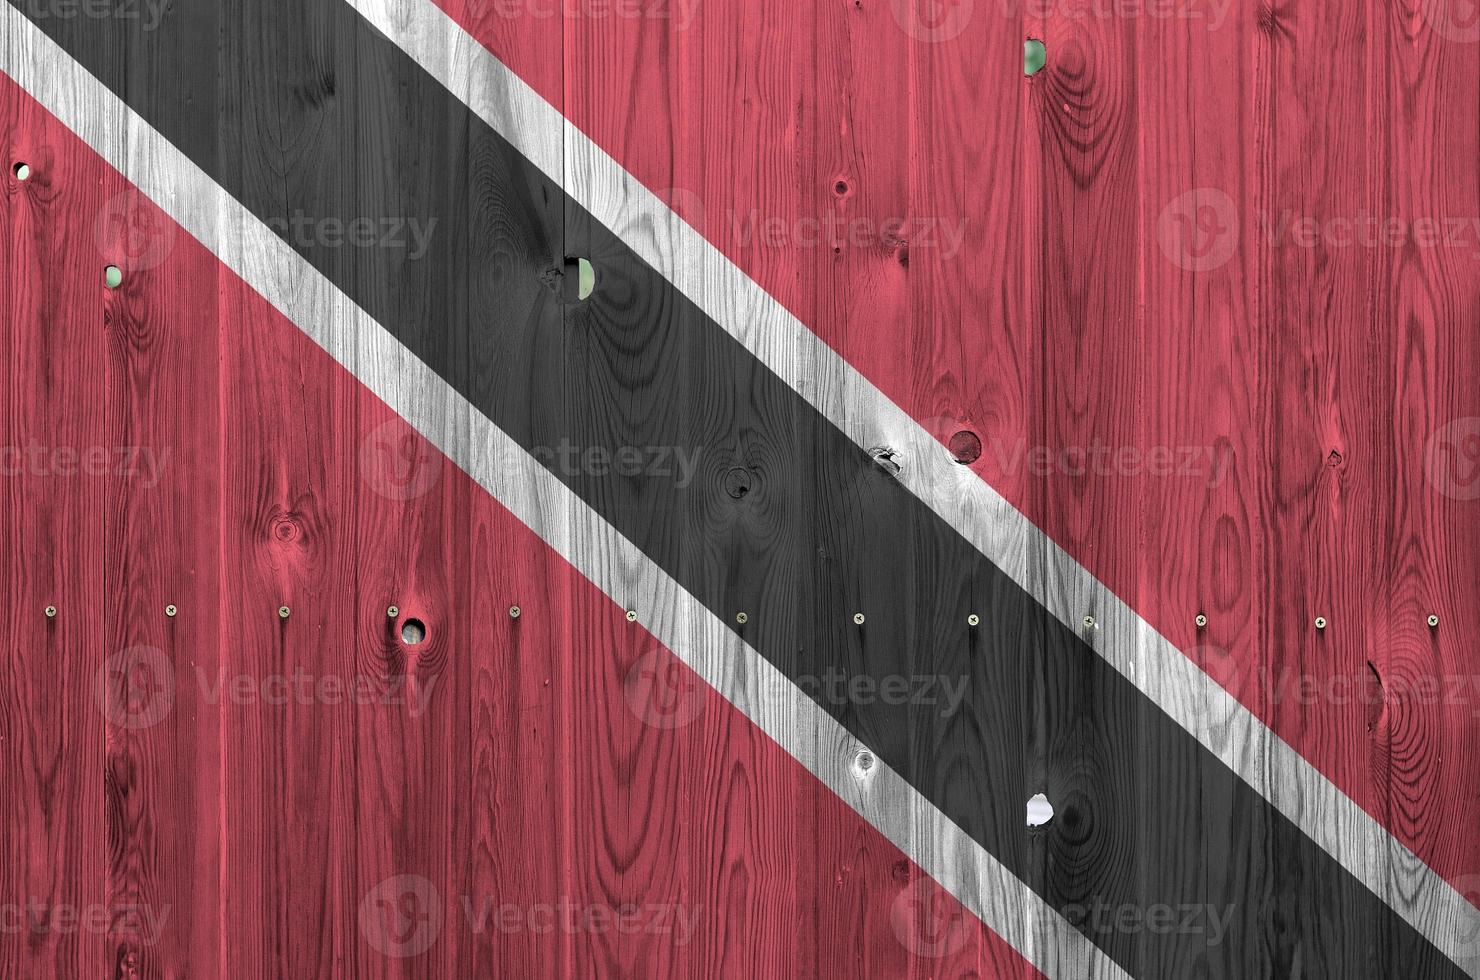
(534, 774)
(1092, 329)
(634, 357)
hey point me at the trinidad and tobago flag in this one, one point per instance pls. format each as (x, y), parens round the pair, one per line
(651, 488)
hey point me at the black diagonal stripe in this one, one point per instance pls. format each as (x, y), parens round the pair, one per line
(308, 116)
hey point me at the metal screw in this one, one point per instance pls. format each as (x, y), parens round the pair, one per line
(170, 610)
(858, 619)
(1201, 620)
(1089, 623)
(284, 612)
(973, 620)
(51, 612)
(1320, 622)
(741, 618)
(632, 615)
(391, 612)
(513, 612)
(1433, 621)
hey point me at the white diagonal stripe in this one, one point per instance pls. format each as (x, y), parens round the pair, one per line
(529, 490)
(1234, 735)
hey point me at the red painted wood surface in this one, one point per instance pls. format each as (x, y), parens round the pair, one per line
(242, 792)
(1232, 250)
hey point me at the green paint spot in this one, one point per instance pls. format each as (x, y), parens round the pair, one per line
(1034, 56)
(587, 279)
(112, 276)
(22, 172)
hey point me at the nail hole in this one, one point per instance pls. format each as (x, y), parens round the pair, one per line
(1034, 56)
(112, 277)
(1040, 811)
(966, 447)
(841, 187)
(413, 631)
(580, 278)
(22, 171)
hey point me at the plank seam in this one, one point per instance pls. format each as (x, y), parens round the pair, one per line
(287, 281)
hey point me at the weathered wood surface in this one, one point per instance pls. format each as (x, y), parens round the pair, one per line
(503, 759)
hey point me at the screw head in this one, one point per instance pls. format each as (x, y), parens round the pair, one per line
(1433, 621)
(513, 612)
(632, 615)
(973, 620)
(170, 610)
(391, 612)
(1320, 622)
(741, 618)
(1089, 623)
(858, 619)
(1201, 620)
(51, 612)
(284, 612)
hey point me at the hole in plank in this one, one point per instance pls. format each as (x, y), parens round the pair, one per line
(112, 277)
(580, 279)
(1035, 56)
(413, 632)
(22, 171)
(966, 447)
(1040, 811)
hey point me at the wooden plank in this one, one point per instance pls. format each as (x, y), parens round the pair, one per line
(54, 420)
